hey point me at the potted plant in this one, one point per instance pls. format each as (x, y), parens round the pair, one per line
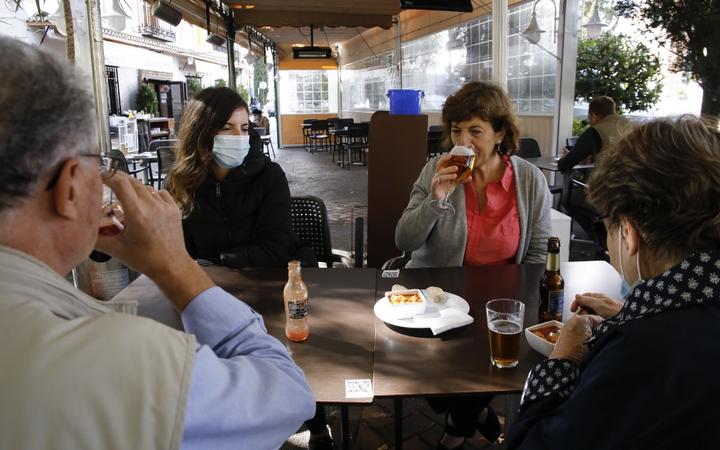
(146, 100)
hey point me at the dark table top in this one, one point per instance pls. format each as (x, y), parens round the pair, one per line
(550, 163)
(348, 342)
(415, 363)
(340, 346)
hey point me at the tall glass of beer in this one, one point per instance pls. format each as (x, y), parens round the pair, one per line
(464, 159)
(505, 323)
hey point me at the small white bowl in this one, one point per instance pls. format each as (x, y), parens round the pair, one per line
(536, 342)
(406, 310)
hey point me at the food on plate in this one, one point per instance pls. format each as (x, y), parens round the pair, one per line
(401, 299)
(398, 287)
(550, 333)
(436, 294)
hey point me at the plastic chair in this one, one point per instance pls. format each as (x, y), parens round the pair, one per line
(308, 219)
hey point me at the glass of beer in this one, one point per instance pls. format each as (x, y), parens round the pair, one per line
(464, 159)
(505, 323)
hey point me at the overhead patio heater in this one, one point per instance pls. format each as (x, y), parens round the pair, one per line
(438, 5)
(312, 52)
(166, 12)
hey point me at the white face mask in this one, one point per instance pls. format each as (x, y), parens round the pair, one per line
(229, 151)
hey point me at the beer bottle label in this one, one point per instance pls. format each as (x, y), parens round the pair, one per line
(297, 309)
(555, 302)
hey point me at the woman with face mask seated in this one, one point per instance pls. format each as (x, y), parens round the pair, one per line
(642, 374)
(235, 201)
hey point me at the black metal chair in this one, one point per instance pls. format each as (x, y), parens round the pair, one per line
(306, 133)
(434, 141)
(356, 144)
(397, 262)
(529, 148)
(166, 152)
(308, 220)
(575, 205)
(266, 141)
(119, 162)
(319, 135)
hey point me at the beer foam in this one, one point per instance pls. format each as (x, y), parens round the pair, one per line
(460, 150)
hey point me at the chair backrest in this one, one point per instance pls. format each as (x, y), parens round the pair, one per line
(344, 123)
(319, 125)
(262, 131)
(529, 148)
(435, 129)
(334, 123)
(308, 219)
(358, 130)
(309, 120)
(166, 157)
(118, 160)
(575, 204)
(154, 145)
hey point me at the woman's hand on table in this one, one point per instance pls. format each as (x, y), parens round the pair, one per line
(594, 303)
(571, 344)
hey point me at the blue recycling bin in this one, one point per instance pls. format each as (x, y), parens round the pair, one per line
(405, 101)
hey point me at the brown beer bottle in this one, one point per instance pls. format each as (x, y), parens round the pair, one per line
(551, 285)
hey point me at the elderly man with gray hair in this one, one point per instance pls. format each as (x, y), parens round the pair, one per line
(75, 375)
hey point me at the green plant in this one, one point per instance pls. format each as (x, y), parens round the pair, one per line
(220, 83)
(146, 100)
(690, 30)
(242, 90)
(193, 86)
(626, 71)
(578, 127)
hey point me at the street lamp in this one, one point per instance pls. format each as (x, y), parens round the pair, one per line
(595, 25)
(533, 32)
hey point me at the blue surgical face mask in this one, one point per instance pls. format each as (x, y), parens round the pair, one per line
(229, 151)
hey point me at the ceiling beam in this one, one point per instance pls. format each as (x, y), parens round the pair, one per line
(302, 19)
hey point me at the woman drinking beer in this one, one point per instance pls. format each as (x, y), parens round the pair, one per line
(499, 213)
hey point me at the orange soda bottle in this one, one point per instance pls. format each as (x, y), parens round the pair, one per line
(295, 295)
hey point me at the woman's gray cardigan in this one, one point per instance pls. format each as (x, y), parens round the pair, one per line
(437, 238)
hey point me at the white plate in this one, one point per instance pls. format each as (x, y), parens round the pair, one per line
(454, 301)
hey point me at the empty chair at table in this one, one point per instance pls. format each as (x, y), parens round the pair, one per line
(319, 136)
(355, 145)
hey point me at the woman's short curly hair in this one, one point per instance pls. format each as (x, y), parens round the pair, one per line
(664, 177)
(489, 102)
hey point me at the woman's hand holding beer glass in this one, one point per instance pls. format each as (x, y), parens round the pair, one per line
(453, 169)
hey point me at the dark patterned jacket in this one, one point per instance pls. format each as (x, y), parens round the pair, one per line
(650, 380)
